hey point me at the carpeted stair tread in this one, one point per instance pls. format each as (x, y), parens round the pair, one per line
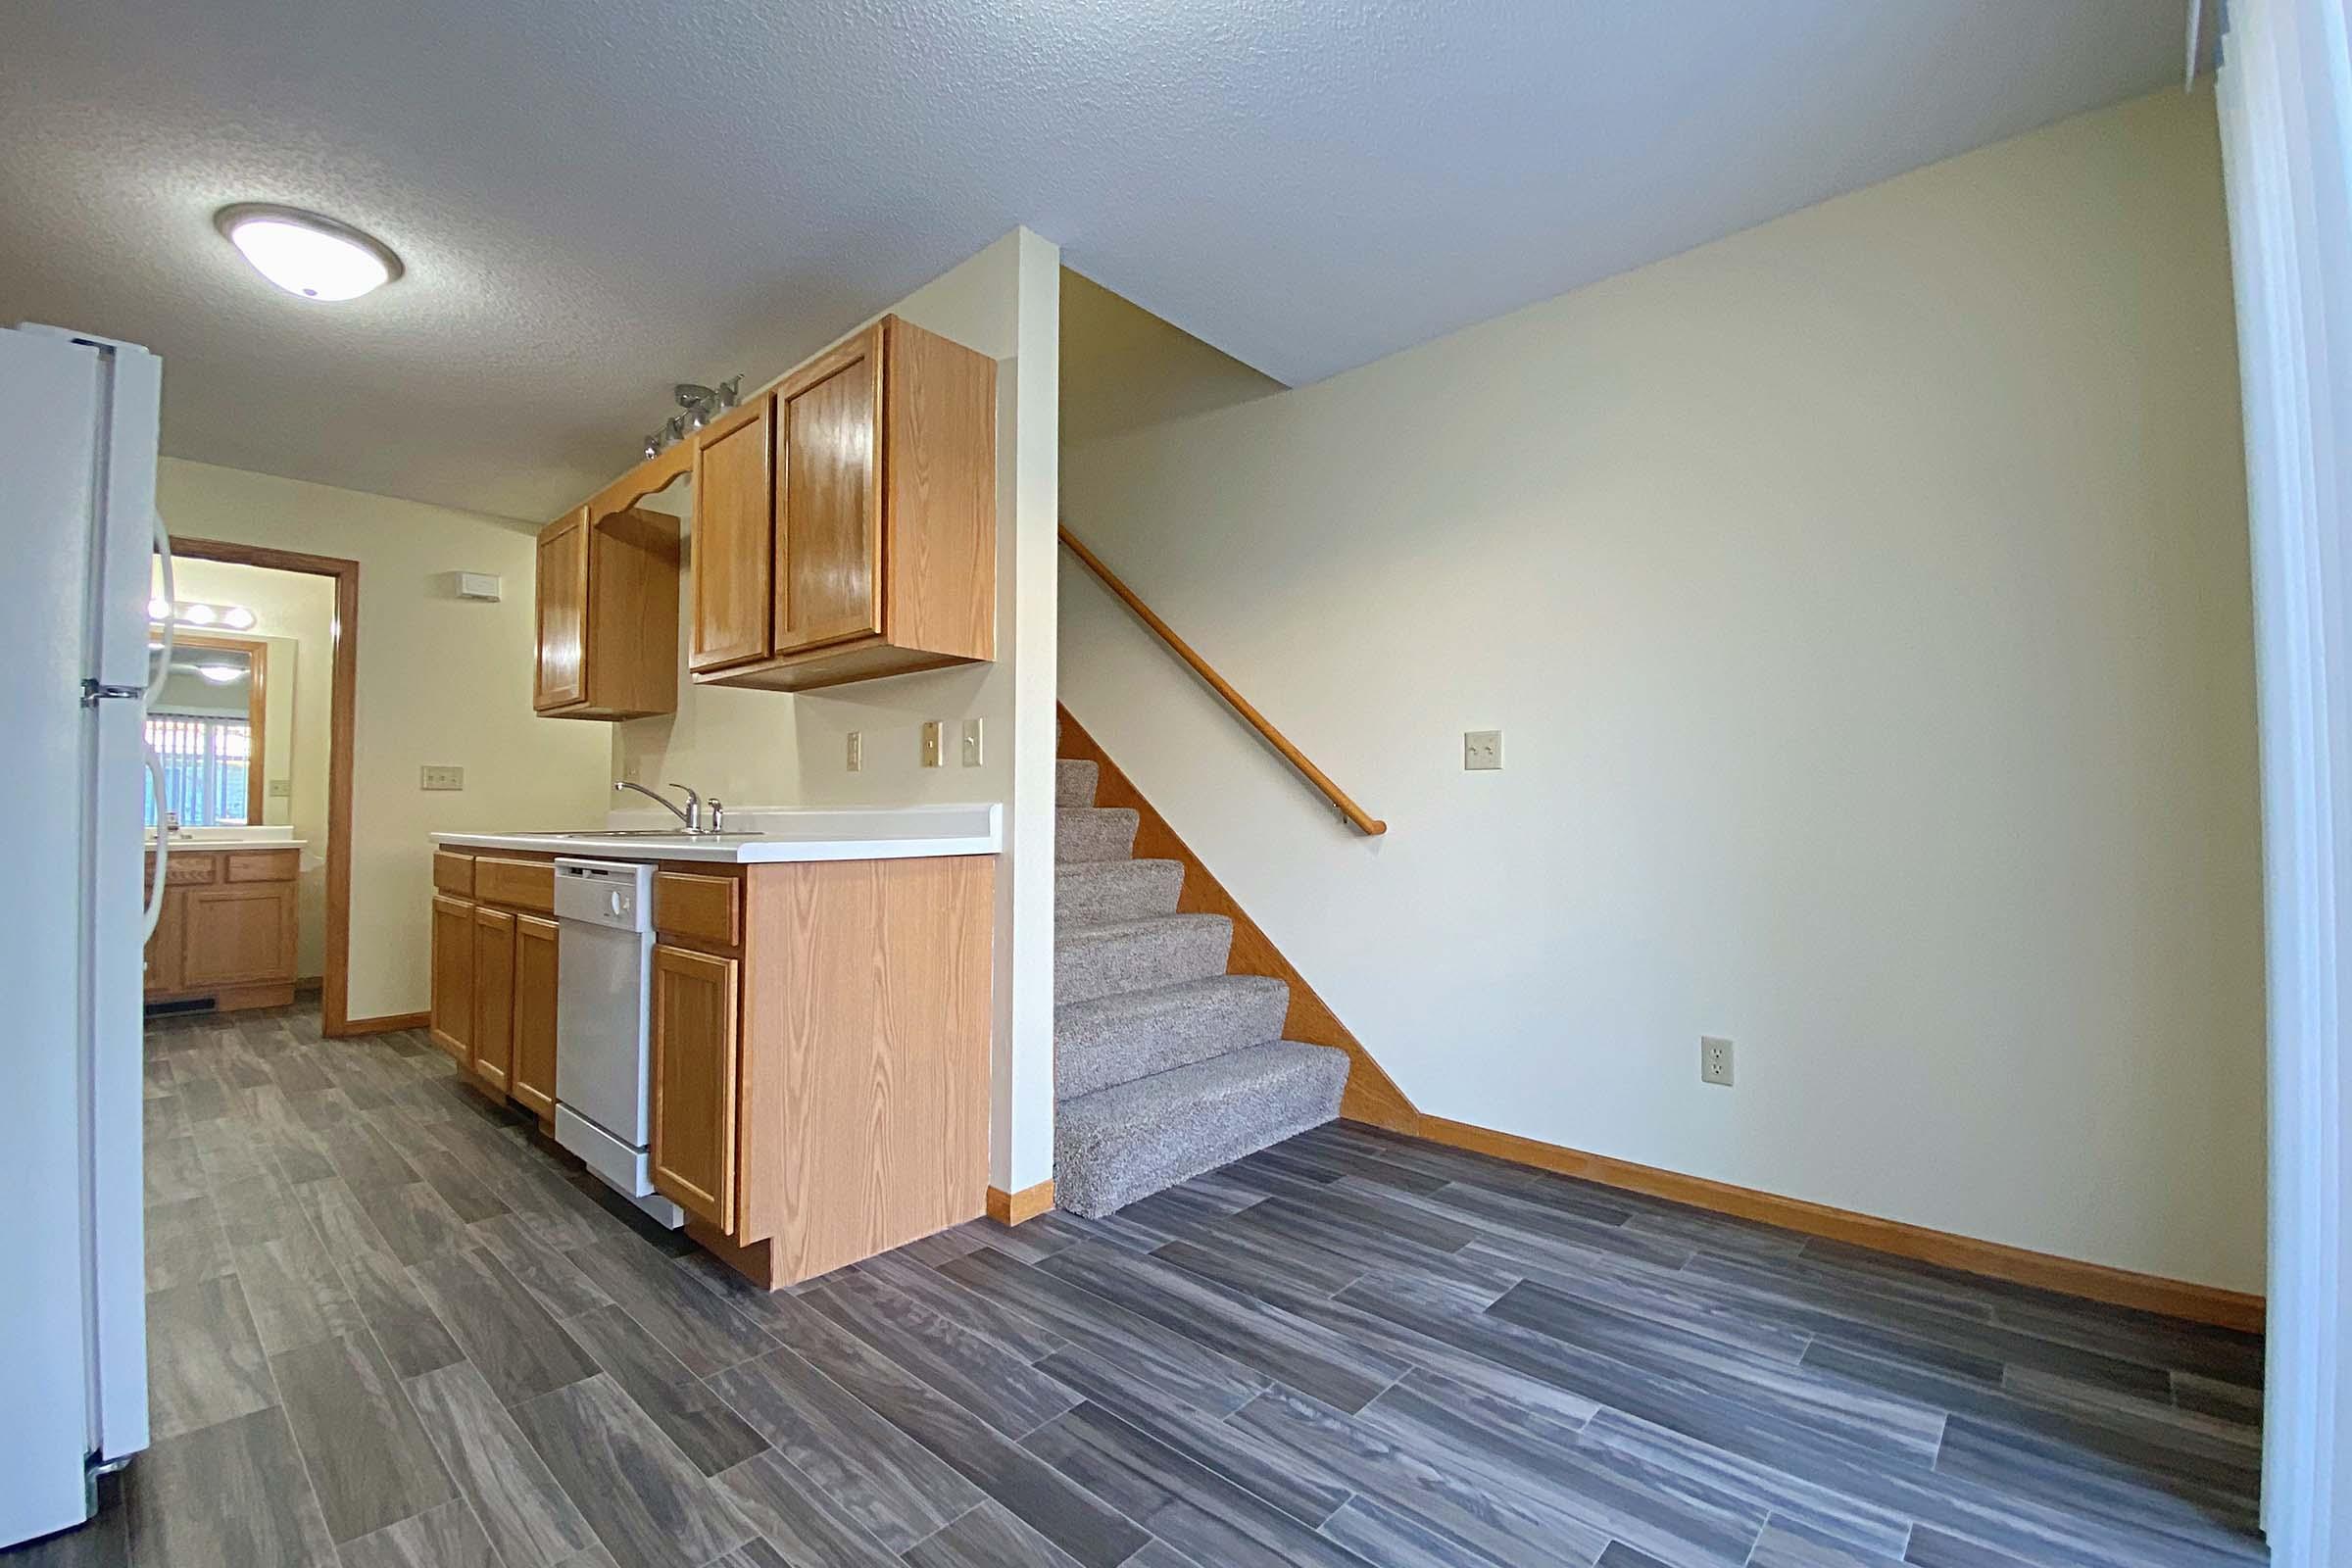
(1073, 781)
(1116, 1145)
(1101, 960)
(1100, 892)
(1134, 1034)
(1093, 833)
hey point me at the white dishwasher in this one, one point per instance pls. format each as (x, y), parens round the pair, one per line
(603, 989)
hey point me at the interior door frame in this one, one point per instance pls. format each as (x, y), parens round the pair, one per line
(335, 997)
(256, 689)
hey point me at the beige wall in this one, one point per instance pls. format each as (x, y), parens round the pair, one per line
(777, 749)
(1865, 601)
(441, 679)
(295, 613)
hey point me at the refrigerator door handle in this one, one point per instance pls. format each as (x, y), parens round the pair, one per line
(158, 671)
(163, 841)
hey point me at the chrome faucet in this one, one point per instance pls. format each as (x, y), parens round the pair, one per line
(692, 815)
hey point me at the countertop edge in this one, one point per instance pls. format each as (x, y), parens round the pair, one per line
(780, 851)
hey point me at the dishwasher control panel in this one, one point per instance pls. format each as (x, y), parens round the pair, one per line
(615, 894)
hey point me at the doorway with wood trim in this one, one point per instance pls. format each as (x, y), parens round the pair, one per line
(269, 767)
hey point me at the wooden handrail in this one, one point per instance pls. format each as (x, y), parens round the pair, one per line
(1363, 819)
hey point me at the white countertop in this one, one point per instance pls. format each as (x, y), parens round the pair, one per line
(233, 837)
(847, 833)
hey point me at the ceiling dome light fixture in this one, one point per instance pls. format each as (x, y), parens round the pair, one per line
(305, 254)
(221, 674)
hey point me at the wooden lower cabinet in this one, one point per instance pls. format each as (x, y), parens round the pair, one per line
(533, 1080)
(493, 997)
(693, 1082)
(226, 930)
(819, 1073)
(453, 976)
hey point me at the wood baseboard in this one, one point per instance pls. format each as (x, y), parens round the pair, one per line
(386, 1025)
(2097, 1282)
(1011, 1209)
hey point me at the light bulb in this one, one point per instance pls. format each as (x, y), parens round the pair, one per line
(159, 609)
(237, 618)
(197, 614)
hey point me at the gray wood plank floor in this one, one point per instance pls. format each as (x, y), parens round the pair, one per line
(393, 1326)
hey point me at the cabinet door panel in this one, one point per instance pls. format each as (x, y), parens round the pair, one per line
(493, 997)
(453, 976)
(534, 1075)
(734, 544)
(562, 671)
(829, 508)
(236, 935)
(694, 1082)
(164, 947)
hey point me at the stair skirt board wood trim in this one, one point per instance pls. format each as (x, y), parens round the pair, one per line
(1373, 1098)
(387, 1023)
(1371, 1095)
(2097, 1282)
(1014, 1208)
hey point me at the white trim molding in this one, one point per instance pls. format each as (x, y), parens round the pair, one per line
(2286, 87)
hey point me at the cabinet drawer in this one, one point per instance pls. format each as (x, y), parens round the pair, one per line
(519, 884)
(184, 869)
(453, 874)
(700, 909)
(259, 866)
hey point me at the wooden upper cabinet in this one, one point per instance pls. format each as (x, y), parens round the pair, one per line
(734, 500)
(880, 518)
(607, 582)
(562, 678)
(829, 506)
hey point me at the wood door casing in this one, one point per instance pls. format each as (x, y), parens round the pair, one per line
(453, 976)
(829, 503)
(734, 544)
(533, 1082)
(236, 935)
(493, 997)
(561, 676)
(693, 1082)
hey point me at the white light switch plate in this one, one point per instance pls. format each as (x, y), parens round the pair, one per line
(932, 743)
(1482, 750)
(857, 751)
(971, 743)
(440, 776)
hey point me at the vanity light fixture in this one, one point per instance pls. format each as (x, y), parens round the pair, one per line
(237, 618)
(305, 253)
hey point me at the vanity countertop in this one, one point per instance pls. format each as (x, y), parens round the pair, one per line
(204, 839)
(847, 833)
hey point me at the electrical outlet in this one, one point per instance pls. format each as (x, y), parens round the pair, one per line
(281, 789)
(932, 743)
(1482, 750)
(440, 776)
(1714, 1060)
(857, 751)
(971, 743)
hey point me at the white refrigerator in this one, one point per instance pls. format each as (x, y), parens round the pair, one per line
(77, 458)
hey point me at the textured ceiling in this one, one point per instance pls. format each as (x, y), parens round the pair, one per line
(597, 197)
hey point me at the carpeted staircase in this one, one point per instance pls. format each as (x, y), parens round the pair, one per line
(1164, 1065)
